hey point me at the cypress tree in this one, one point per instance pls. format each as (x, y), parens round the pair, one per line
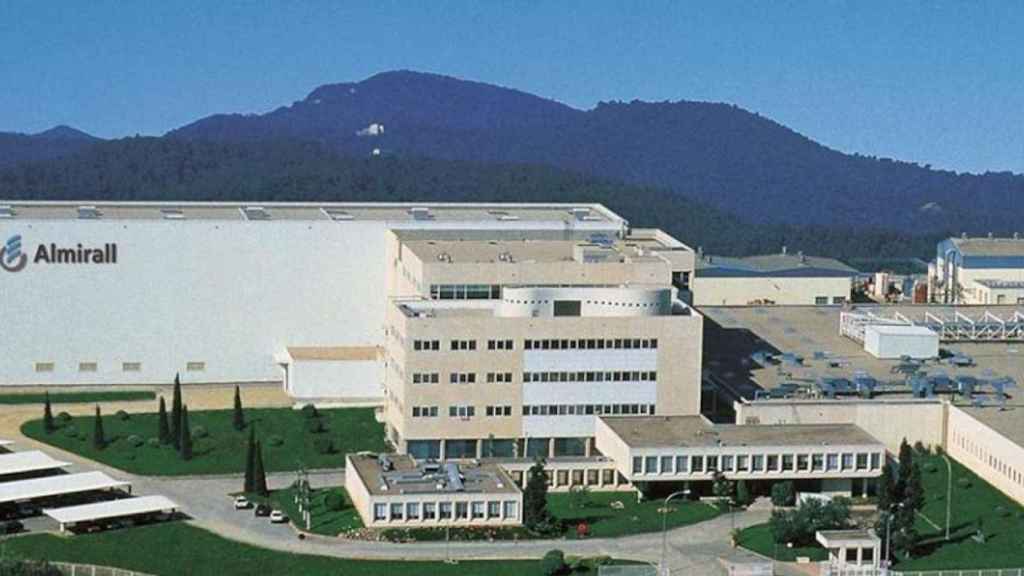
(99, 439)
(186, 436)
(535, 497)
(250, 463)
(48, 424)
(259, 473)
(238, 420)
(164, 431)
(176, 413)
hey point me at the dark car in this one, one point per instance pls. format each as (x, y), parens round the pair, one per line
(11, 527)
(262, 510)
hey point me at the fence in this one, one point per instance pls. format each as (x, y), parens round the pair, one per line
(69, 569)
(995, 572)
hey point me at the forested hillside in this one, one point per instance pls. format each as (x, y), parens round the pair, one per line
(170, 169)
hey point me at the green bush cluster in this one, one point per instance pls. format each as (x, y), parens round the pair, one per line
(800, 525)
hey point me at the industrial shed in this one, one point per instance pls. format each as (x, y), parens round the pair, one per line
(783, 279)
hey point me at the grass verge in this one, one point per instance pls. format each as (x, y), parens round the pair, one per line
(758, 538)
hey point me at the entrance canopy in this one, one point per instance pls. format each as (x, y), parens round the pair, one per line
(23, 490)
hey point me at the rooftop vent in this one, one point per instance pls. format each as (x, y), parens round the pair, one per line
(6, 212)
(385, 463)
(444, 257)
(454, 477)
(256, 213)
(420, 213)
(506, 257)
(88, 213)
(337, 214)
(172, 214)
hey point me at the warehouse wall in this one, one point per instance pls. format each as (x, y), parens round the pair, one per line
(720, 291)
(230, 294)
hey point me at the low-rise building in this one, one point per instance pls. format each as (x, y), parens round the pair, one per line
(970, 270)
(783, 279)
(395, 491)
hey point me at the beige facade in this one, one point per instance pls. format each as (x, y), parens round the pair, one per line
(978, 271)
(397, 492)
(747, 291)
(989, 454)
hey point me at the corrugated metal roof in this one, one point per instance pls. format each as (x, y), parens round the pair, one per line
(772, 265)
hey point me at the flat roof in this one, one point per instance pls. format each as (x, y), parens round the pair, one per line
(989, 246)
(111, 509)
(771, 265)
(335, 353)
(830, 538)
(481, 249)
(901, 330)
(326, 211)
(30, 461)
(698, 432)
(57, 485)
(408, 477)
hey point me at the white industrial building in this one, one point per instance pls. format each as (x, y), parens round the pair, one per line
(978, 271)
(783, 279)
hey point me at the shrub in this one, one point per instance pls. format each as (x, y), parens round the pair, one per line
(153, 442)
(71, 432)
(1002, 512)
(931, 468)
(315, 426)
(122, 415)
(552, 563)
(309, 411)
(783, 494)
(323, 446)
(64, 417)
(134, 441)
(199, 432)
(920, 448)
(964, 483)
(334, 500)
(275, 440)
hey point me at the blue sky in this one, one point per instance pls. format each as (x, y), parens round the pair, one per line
(934, 82)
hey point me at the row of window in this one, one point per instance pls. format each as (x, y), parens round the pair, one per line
(44, 367)
(692, 464)
(499, 377)
(465, 291)
(425, 345)
(587, 409)
(476, 510)
(823, 300)
(463, 344)
(611, 376)
(425, 378)
(504, 410)
(980, 451)
(591, 344)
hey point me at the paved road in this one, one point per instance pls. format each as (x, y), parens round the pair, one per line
(692, 550)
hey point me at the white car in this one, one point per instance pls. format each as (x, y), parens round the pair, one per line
(278, 517)
(242, 503)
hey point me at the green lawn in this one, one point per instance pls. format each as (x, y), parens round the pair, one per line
(634, 518)
(322, 521)
(1003, 523)
(179, 548)
(223, 450)
(78, 397)
(759, 539)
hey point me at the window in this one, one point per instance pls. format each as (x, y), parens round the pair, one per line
(461, 510)
(862, 461)
(195, 366)
(445, 511)
(787, 462)
(87, 366)
(773, 462)
(651, 465)
(847, 461)
(758, 463)
(464, 412)
(380, 512)
(429, 510)
(712, 463)
(511, 509)
(876, 461)
(727, 463)
(396, 511)
(802, 462)
(462, 378)
(742, 463)
(666, 464)
(817, 462)
(44, 366)
(697, 463)
(424, 411)
(681, 464)
(499, 410)
(820, 300)
(478, 509)
(638, 465)
(838, 300)
(494, 509)
(426, 378)
(463, 344)
(412, 511)
(426, 345)
(832, 461)
(131, 366)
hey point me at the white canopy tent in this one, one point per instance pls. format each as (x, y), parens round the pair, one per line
(122, 508)
(25, 490)
(26, 462)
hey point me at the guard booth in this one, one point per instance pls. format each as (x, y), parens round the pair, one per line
(850, 552)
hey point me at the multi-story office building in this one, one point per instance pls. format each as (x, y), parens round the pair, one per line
(513, 347)
(978, 271)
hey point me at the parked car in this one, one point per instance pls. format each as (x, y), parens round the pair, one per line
(28, 509)
(278, 517)
(11, 527)
(262, 510)
(242, 503)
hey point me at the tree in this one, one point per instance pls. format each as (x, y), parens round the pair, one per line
(536, 516)
(799, 526)
(238, 418)
(176, 413)
(99, 439)
(186, 435)
(886, 488)
(579, 496)
(250, 462)
(164, 428)
(743, 498)
(722, 488)
(783, 493)
(260, 473)
(48, 423)
(552, 563)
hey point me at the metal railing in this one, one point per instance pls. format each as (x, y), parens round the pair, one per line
(71, 569)
(978, 572)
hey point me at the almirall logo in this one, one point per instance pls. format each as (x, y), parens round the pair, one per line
(12, 258)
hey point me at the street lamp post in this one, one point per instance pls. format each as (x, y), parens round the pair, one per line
(949, 491)
(664, 529)
(888, 532)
